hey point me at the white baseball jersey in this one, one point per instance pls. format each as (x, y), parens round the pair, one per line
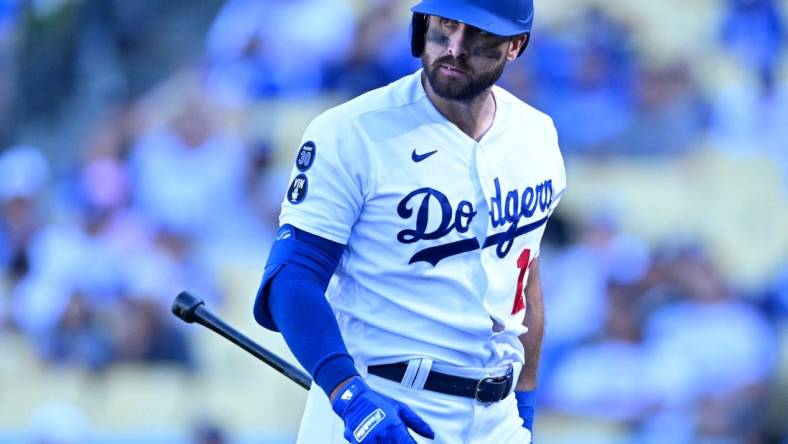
(440, 229)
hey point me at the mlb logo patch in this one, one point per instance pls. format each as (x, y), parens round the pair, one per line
(285, 232)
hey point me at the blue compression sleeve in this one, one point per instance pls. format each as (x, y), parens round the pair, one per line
(526, 407)
(291, 299)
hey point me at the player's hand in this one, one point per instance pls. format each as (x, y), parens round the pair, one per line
(526, 407)
(373, 418)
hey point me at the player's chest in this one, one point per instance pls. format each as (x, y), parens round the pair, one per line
(446, 195)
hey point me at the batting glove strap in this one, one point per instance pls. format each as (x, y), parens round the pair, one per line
(526, 407)
(370, 417)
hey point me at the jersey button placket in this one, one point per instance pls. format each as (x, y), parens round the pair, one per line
(485, 183)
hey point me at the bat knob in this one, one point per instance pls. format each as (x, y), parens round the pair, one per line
(185, 305)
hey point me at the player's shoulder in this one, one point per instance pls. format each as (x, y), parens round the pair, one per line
(532, 124)
(523, 112)
(390, 98)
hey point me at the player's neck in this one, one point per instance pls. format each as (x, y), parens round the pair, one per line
(473, 118)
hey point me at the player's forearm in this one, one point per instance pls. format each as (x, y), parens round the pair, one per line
(534, 320)
(292, 300)
(532, 344)
(310, 329)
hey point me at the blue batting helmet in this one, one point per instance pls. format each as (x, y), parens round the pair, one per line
(501, 17)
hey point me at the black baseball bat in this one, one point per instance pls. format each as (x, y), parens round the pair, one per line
(191, 309)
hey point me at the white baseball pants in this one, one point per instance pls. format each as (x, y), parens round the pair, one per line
(455, 419)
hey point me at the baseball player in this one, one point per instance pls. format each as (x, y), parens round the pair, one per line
(426, 201)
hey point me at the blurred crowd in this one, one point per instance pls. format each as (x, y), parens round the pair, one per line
(656, 340)
(116, 193)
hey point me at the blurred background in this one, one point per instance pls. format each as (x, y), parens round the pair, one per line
(145, 147)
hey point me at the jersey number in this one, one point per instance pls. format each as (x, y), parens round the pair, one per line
(305, 158)
(519, 298)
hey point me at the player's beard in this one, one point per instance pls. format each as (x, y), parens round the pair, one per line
(463, 88)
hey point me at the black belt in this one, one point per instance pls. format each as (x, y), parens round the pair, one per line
(486, 390)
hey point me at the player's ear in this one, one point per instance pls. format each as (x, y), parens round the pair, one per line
(516, 45)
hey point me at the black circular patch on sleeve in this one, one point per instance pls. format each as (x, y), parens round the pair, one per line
(298, 188)
(306, 156)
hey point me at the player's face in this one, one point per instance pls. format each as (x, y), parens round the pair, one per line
(463, 61)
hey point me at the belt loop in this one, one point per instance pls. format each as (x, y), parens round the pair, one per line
(421, 375)
(410, 373)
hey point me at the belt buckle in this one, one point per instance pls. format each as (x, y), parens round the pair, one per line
(486, 399)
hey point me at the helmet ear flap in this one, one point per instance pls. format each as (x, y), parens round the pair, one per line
(418, 27)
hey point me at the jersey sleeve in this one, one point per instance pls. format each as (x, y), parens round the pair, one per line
(555, 163)
(328, 180)
(559, 171)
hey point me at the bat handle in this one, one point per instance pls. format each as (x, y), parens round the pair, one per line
(185, 305)
(191, 309)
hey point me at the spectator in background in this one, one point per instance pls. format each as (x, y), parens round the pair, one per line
(598, 254)
(154, 264)
(25, 175)
(90, 300)
(46, 58)
(584, 75)
(209, 433)
(717, 352)
(78, 339)
(696, 365)
(670, 113)
(778, 292)
(251, 43)
(518, 79)
(753, 31)
(10, 20)
(102, 267)
(75, 255)
(144, 333)
(748, 114)
(186, 173)
(5, 311)
(74, 277)
(380, 54)
(610, 377)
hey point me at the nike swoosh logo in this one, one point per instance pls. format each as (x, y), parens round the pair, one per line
(419, 157)
(525, 21)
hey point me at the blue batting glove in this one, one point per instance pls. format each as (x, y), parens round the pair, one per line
(526, 407)
(370, 417)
